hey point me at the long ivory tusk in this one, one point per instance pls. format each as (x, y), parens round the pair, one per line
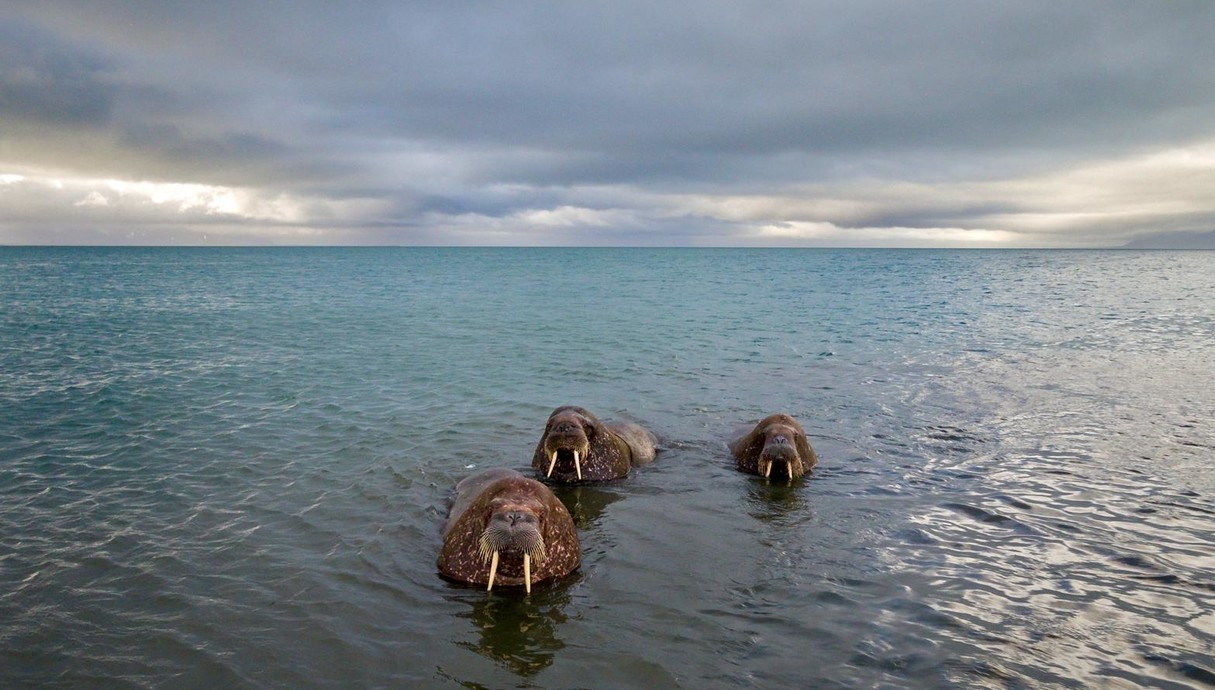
(551, 464)
(577, 466)
(527, 572)
(768, 470)
(493, 570)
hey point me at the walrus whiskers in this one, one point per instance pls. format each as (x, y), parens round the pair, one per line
(487, 545)
(494, 539)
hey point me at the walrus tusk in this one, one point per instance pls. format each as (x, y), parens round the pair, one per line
(527, 572)
(493, 570)
(768, 470)
(551, 464)
(577, 467)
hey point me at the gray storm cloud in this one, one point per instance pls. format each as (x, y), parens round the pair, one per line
(1052, 124)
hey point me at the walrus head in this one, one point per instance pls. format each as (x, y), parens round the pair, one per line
(514, 531)
(779, 450)
(567, 438)
(778, 445)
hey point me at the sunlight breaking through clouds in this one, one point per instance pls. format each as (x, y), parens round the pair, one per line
(1096, 203)
(183, 198)
(164, 200)
(94, 198)
(187, 197)
(570, 216)
(1093, 203)
(878, 236)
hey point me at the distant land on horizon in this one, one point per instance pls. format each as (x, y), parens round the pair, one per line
(1175, 240)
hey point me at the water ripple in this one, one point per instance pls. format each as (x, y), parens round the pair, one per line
(229, 468)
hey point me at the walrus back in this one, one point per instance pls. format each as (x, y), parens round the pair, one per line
(642, 444)
(470, 488)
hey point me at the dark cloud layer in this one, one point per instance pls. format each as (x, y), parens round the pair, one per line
(433, 114)
(45, 79)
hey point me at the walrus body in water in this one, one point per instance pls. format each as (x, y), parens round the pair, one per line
(506, 529)
(577, 447)
(776, 445)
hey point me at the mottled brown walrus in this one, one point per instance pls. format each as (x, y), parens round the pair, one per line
(777, 443)
(506, 529)
(578, 447)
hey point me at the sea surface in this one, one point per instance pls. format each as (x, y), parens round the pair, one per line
(228, 468)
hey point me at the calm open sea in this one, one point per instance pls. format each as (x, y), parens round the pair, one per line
(229, 467)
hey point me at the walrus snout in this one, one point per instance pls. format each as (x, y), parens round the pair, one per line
(516, 535)
(567, 427)
(566, 442)
(780, 453)
(512, 524)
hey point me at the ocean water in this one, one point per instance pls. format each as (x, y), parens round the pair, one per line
(229, 467)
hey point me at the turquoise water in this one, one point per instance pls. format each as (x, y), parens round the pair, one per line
(229, 467)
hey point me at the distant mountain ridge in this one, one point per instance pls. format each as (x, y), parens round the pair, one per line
(1175, 240)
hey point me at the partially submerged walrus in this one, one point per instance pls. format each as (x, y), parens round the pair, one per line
(578, 447)
(506, 529)
(777, 443)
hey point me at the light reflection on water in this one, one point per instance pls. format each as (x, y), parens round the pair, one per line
(229, 468)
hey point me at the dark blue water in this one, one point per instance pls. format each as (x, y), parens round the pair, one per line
(228, 468)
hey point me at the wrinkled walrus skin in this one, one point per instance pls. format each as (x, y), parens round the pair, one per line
(499, 517)
(577, 447)
(776, 446)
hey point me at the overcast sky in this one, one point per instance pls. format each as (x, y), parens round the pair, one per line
(638, 123)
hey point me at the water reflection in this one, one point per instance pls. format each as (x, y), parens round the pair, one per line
(586, 503)
(517, 631)
(777, 502)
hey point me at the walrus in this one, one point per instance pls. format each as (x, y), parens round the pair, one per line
(777, 441)
(506, 529)
(577, 447)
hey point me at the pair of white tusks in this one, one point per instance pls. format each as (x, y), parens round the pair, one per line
(768, 470)
(553, 463)
(527, 572)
